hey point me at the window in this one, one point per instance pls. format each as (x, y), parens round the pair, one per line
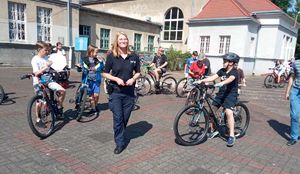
(44, 24)
(224, 44)
(137, 42)
(104, 38)
(204, 44)
(16, 18)
(84, 31)
(173, 24)
(150, 43)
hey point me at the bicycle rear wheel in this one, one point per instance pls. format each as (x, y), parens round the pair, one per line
(38, 107)
(181, 88)
(241, 119)
(269, 81)
(143, 86)
(169, 85)
(190, 129)
(2, 94)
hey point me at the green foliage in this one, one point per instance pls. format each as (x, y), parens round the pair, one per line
(176, 59)
(283, 4)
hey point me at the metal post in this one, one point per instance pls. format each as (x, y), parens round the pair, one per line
(296, 19)
(69, 33)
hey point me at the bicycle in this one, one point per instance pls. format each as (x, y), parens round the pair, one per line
(182, 87)
(42, 105)
(271, 79)
(195, 119)
(82, 103)
(167, 84)
(2, 94)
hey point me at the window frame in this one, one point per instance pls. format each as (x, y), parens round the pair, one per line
(137, 44)
(174, 34)
(224, 45)
(18, 31)
(84, 30)
(204, 44)
(48, 26)
(106, 40)
(151, 45)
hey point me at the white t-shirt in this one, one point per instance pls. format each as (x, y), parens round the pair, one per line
(38, 63)
(58, 61)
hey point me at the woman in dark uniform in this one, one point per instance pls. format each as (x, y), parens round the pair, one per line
(122, 68)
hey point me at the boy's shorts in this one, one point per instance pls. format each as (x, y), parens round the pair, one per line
(227, 101)
(93, 87)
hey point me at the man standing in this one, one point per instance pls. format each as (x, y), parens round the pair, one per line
(293, 94)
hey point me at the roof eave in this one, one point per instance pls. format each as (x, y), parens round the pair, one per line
(192, 21)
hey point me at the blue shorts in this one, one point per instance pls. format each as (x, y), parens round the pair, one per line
(228, 101)
(93, 87)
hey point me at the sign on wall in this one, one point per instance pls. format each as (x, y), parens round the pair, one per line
(81, 43)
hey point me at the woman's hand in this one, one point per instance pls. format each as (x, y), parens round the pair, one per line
(120, 81)
(130, 82)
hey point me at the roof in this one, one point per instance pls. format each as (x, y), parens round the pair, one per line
(235, 8)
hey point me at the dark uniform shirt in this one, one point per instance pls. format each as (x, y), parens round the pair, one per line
(123, 69)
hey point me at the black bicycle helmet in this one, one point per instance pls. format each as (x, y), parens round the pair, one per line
(232, 57)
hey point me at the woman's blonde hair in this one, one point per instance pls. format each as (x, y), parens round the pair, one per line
(40, 45)
(91, 50)
(115, 47)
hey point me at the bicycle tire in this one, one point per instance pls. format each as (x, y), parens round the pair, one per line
(282, 81)
(46, 113)
(181, 88)
(169, 83)
(81, 101)
(197, 125)
(192, 97)
(241, 116)
(2, 94)
(143, 85)
(269, 81)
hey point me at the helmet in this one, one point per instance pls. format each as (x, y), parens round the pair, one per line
(232, 57)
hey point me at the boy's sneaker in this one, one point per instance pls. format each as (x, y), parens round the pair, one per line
(92, 111)
(230, 141)
(40, 124)
(213, 134)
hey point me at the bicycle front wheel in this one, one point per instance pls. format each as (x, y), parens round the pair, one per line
(143, 86)
(81, 99)
(40, 116)
(181, 88)
(269, 81)
(169, 84)
(191, 125)
(2, 94)
(241, 119)
(192, 97)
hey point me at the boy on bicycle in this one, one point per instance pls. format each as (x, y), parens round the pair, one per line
(160, 63)
(92, 69)
(228, 92)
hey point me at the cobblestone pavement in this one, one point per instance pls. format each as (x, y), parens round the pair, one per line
(88, 147)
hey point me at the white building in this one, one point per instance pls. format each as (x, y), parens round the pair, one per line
(257, 30)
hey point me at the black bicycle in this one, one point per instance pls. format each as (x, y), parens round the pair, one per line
(2, 94)
(42, 109)
(192, 122)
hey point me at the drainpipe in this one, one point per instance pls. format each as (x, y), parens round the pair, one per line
(256, 46)
(69, 33)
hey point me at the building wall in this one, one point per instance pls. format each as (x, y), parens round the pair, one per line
(98, 20)
(59, 30)
(155, 10)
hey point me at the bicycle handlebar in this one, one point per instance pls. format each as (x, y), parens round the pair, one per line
(26, 76)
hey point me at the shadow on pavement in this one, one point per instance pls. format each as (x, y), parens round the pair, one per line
(137, 130)
(281, 129)
(9, 100)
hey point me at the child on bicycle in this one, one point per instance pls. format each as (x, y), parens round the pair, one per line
(40, 65)
(92, 68)
(228, 92)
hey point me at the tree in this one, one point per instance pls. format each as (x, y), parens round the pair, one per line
(283, 4)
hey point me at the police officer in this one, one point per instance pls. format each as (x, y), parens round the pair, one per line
(122, 68)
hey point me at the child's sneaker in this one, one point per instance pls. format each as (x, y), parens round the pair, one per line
(213, 134)
(230, 141)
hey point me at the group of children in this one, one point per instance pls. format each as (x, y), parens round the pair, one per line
(47, 58)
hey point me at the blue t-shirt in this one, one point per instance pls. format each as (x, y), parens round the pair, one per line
(296, 71)
(189, 62)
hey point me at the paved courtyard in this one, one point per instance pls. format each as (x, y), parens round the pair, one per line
(88, 147)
